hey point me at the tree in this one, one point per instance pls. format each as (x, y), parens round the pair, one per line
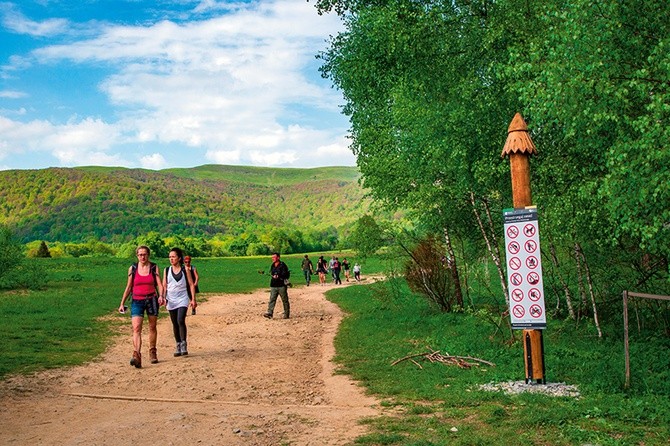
(11, 254)
(367, 236)
(43, 250)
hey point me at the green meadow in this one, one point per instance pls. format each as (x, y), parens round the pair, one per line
(427, 403)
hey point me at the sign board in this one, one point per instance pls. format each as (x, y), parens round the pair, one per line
(524, 268)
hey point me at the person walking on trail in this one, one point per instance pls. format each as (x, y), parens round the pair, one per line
(143, 281)
(280, 275)
(195, 277)
(337, 267)
(331, 269)
(179, 295)
(357, 272)
(307, 269)
(345, 267)
(322, 269)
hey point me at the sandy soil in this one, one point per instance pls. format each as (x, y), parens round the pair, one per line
(246, 381)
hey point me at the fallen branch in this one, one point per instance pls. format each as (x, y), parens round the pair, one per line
(464, 362)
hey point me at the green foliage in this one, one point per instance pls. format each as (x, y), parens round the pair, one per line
(11, 254)
(115, 205)
(429, 400)
(367, 236)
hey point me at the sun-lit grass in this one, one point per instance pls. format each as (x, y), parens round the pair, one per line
(437, 404)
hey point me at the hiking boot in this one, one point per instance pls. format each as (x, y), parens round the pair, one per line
(184, 350)
(267, 315)
(136, 360)
(153, 355)
(177, 352)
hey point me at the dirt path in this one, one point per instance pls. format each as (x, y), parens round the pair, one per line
(246, 381)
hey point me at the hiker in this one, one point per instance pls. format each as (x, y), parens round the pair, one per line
(357, 272)
(179, 294)
(195, 277)
(337, 267)
(345, 267)
(143, 281)
(321, 270)
(278, 286)
(307, 269)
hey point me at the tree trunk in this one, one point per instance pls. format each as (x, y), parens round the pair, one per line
(453, 268)
(566, 289)
(580, 278)
(591, 292)
(494, 253)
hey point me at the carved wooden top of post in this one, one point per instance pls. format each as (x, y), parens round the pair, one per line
(518, 139)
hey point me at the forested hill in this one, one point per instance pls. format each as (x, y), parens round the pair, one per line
(116, 204)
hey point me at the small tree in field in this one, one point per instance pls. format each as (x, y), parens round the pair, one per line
(43, 250)
(11, 254)
(427, 272)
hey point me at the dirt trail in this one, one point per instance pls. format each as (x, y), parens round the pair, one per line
(246, 381)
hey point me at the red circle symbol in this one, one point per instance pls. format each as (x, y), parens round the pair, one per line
(512, 232)
(534, 294)
(518, 311)
(517, 295)
(529, 230)
(533, 278)
(516, 279)
(530, 246)
(515, 263)
(535, 311)
(531, 262)
(513, 247)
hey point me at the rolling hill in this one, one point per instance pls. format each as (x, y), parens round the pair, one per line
(116, 204)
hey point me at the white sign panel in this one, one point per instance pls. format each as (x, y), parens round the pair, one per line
(524, 268)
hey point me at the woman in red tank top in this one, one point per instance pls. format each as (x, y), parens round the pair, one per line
(143, 282)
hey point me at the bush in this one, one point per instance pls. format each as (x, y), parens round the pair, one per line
(427, 273)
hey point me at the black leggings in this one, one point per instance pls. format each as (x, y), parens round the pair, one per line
(178, 317)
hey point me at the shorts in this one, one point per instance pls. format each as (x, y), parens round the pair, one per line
(139, 306)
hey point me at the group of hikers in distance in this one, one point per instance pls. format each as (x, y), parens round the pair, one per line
(334, 266)
(178, 288)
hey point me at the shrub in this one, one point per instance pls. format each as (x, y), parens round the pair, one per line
(427, 273)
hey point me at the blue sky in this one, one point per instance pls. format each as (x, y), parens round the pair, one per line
(167, 83)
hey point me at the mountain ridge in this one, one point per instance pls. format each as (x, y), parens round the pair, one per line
(115, 204)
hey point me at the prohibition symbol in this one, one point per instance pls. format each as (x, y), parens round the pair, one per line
(529, 230)
(514, 247)
(535, 311)
(533, 278)
(512, 231)
(531, 262)
(517, 295)
(515, 263)
(516, 279)
(518, 311)
(530, 246)
(534, 294)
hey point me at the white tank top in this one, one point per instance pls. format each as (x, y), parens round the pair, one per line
(177, 294)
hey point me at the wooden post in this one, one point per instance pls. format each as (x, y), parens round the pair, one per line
(519, 147)
(625, 339)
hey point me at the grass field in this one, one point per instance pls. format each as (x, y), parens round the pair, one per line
(429, 403)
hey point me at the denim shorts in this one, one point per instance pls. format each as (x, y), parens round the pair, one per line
(139, 306)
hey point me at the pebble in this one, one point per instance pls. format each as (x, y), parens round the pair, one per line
(516, 387)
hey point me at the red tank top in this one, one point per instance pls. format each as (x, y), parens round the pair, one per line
(143, 286)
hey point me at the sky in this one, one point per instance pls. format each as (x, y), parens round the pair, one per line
(167, 83)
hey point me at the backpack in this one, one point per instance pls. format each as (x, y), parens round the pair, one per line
(153, 270)
(183, 274)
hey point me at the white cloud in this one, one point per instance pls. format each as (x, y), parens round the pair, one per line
(10, 94)
(233, 87)
(154, 161)
(17, 22)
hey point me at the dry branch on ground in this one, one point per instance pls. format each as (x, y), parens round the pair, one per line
(464, 362)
